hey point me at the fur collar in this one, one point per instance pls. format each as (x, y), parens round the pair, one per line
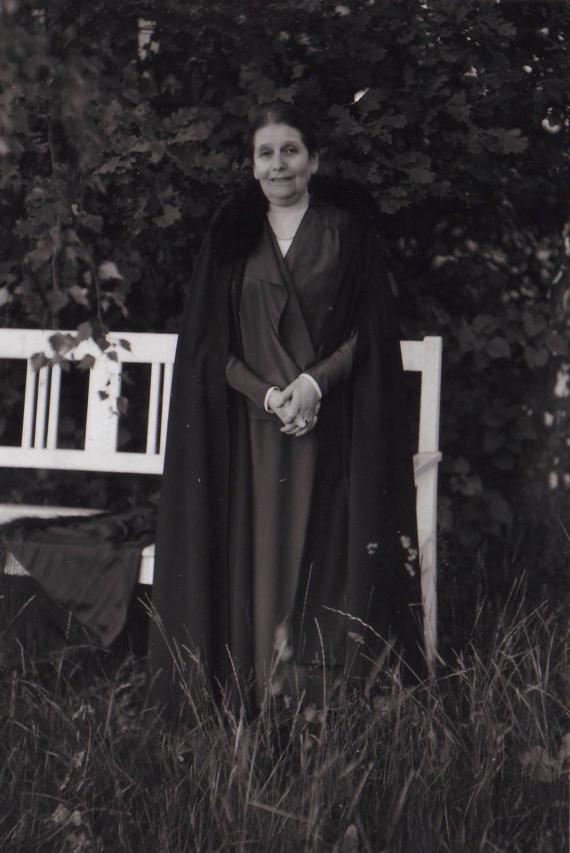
(237, 227)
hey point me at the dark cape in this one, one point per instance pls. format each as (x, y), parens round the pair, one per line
(194, 593)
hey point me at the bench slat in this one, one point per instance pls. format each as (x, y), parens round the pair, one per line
(430, 396)
(41, 408)
(144, 346)
(166, 391)
(29, 405)
(53, 414)
(102, 420)
(153, 408)
(64, 459)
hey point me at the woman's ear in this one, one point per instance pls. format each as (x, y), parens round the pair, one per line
(314, 163)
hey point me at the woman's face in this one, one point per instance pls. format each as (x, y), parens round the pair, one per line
(282, 163)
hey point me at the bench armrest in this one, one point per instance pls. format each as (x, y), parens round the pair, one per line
(424, 462)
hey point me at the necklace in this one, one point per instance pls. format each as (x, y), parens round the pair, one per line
(280, 237)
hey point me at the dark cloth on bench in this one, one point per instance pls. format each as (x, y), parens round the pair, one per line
(88, 565)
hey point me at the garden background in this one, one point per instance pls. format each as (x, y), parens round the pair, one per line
(122, 128)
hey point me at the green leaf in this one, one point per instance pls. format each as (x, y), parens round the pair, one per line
(84, 331)
(344, 123)
(533, 323)
(556, 343)
(500, 509)
(493, 441)
(469, 536)
(41, 254)
(524, 429)
(536, 356)
(57, 299)
(505, 28)
(170, 215)
(91, 222)
(461, 465)
(484, 324)
(421, 175)
(458, 107)
(198, 131)
(466, 337)
(498, 348)
(79, 295)
(470, 486)
(86, 363)
(503, 461)
(38, 360)
(61, 342)
(509, 141)
(493, 418)
(114, 164)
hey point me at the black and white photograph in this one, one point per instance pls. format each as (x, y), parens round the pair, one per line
(285, 426)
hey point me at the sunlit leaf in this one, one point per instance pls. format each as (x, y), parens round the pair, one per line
(108, 270)
(79, 295)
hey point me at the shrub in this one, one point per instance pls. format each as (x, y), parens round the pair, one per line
(123, 126)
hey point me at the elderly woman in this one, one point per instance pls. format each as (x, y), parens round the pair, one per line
(287, 507)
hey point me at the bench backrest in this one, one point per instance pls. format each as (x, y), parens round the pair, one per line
(39, 445)
(41, 408)
(425, 357)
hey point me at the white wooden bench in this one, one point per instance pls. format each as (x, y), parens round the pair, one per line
(39, 448)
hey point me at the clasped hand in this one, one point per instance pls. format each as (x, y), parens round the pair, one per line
(297, 406)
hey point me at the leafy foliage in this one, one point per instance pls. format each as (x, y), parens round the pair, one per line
(122, 127)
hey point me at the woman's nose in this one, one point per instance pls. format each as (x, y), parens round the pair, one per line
(278, 163)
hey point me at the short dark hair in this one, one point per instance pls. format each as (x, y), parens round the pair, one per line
(280, 112)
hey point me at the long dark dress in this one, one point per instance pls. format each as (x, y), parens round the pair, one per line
(255, 526)
(283, 311)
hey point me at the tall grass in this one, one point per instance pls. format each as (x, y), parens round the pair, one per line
(475, 760)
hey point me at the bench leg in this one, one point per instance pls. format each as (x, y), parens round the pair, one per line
(427, 538)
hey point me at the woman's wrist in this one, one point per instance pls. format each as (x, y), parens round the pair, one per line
(314, 383)
(266, 402)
